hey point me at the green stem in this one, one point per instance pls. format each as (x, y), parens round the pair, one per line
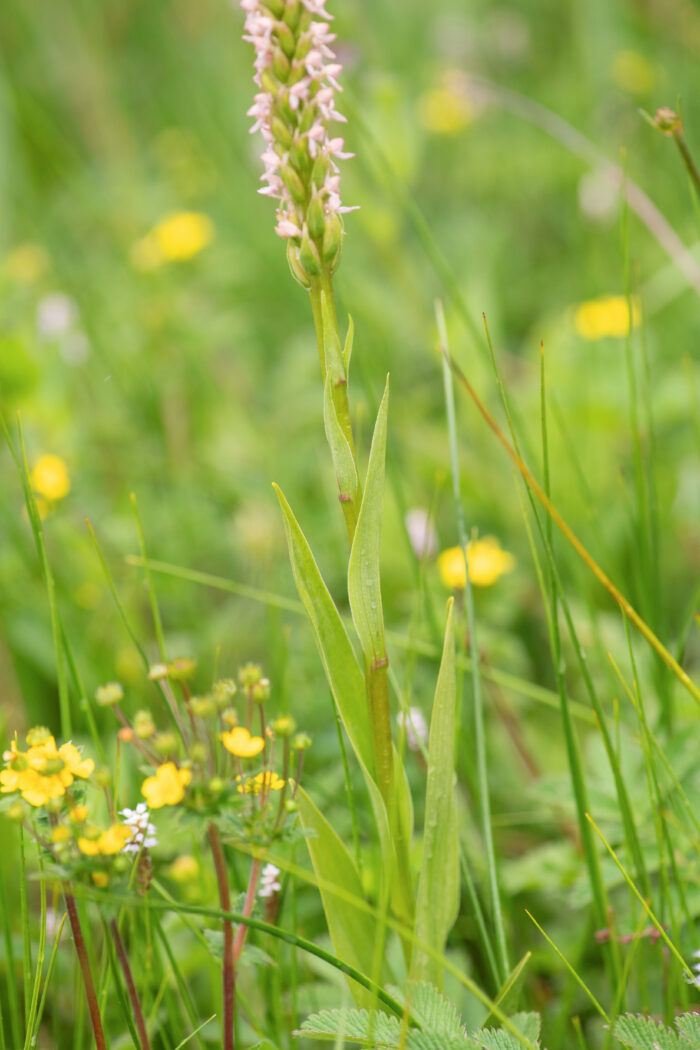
(228, 973)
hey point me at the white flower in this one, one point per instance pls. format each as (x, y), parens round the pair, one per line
(416, 728)
(143, 833)
(421, 533)
(269, 882)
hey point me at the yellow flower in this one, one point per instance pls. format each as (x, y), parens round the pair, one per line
(44, 771)
(60, 834)
(254, 785)
(184, 869)
(241, 744)
(178, 236)
(100, 879)
(486, 559)
(443, 111)
(633, 72)
(26, 263)
(78, 814)
(50, 478)
(106, 843)
(167, 787)
(608, 315)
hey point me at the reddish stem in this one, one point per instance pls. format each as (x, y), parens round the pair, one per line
(229, 963)
(85, 970)
(247, 910)
(130, 986)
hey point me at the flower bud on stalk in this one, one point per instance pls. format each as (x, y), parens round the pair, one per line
(297, 73)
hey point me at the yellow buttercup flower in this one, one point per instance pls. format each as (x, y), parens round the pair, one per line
(114, 839)
(100, 879)
(254, 785)
(177, 237)
(241, 744)
(49, 478)
(78, 814)
(443, 111)
(167, 787)
(43, 772)
(607, 316)
(486, 559)
(26, 263)
(184, 869)
(60, 834)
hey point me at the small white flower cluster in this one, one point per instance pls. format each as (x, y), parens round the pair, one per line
(143, 833)
(269, 881)
(297, 72)
(416, 728)
(695, 981)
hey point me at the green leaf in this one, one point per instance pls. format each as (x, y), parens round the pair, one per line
(364, 592)
(430, 1009)
(500, 1039)
(428, 1040)
(347, 349)
(689, 1027)
(341, 453)
(352, 930)
(337, 655)
(438, 883)
(358, 1026)
(643, 1033)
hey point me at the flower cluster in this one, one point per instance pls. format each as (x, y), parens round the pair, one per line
(486, 559)
(297, 73)
(43, 772)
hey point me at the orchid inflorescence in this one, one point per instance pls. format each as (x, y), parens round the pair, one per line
(297, 72)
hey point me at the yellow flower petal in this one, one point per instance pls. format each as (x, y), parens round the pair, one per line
(167, 787)
(486, 559)
(606, 317)
(50, 477)
(241, 744)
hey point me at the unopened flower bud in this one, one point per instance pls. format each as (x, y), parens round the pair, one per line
(301, 742)
(668, 121)
(144, 726)
(281, 132)
(229, 717)
(109, 694)
(315, 217)
(297, 270)
(103, 776)
(261, 691)
(300, 157)
(284, 726)
(54, 805)
(286, 39)
(157, 672)
(293, 182)
(319, 172)
(60, 834)
(332, 240)
(281, 66)
(249, 675)
(292, 13)
(17, 812)
(275, 7)
(216, 785)
(166, 743)
(291, 805)
(182, 669)
(38, 735)
(308, 255)
(223, 690)
(78, 814)
(125, 734)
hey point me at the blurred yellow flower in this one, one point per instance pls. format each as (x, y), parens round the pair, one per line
(100, 879)
(177, 237)
(444, 111)
(78, 814)
(107, 843)
(241, 744)
(49, 477)
(167, 787)
(633, 72)
(486, 559)
(184, 869)
(26, 263)
(606, 316)
(43, 772)
(254, 785)
(60, 834)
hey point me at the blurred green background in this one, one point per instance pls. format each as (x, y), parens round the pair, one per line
(194, 384)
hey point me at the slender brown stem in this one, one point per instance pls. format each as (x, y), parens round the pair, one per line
(85, 970)
(229, 965)
(130, 986)
(687, 159)
(247, 910)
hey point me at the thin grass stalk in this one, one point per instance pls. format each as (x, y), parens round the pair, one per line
(31, 1016)
(26, 934)
(12, 983)
(155, 611)
(571, 537)
(130, 986)
(577, 977)
(47, 982)
(479, 736)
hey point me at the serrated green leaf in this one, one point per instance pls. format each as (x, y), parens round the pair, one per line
(430, 1009)
(528, 1024)
(352, 930)
(357, 1026)
(437, 901)
(342, 670)
(364, 592)
(689, 1027)
(643, 1033)
(417, 1040)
